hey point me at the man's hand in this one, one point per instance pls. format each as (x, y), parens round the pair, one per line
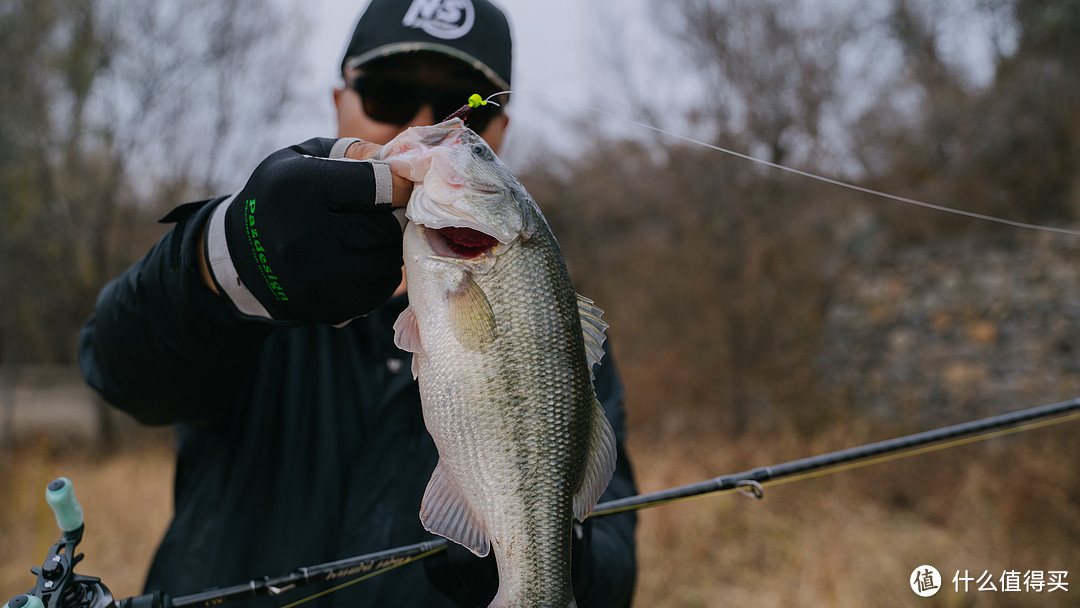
(363, 150)
(309, 240)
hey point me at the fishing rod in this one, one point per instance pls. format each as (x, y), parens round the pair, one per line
(59, 587)
(751, 482)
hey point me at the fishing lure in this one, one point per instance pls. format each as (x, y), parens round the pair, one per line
(475, 101)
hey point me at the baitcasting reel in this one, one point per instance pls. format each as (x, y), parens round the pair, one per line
(57, 584)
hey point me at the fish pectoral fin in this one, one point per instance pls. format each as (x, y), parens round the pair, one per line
(592, 328)
(407, 335)
(471, 317)
(599, 466)
(446, 512)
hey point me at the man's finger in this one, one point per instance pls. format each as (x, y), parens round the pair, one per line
(362, 150)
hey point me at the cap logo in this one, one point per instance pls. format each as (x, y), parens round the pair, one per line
(445, 19)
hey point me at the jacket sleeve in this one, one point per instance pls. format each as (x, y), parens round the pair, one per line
(160, 344)
(605, 572)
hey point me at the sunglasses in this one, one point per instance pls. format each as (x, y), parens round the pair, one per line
(397, 102)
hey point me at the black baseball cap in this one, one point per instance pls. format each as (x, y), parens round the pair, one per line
(474, 31)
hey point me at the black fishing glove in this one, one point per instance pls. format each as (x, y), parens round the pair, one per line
(310, 239)
(472, 582)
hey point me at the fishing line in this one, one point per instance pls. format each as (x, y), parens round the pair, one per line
(926, 450)
(800, 172)
(365, 577)
(786, 472)
(742, 482)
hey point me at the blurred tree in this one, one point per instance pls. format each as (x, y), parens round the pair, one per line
(773, 68)
(1010, 147)
(775, 79)
(717, 273)
(109, 112)
(1028, 148)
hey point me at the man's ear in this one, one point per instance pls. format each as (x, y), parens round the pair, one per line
(339, 93)
(495, 131)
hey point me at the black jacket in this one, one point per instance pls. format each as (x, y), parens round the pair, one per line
(296, 445)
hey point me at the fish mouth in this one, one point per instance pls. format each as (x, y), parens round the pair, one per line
(459, 242)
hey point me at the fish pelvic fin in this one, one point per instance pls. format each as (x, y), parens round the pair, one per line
(592, 328)
(471, 317)
(446, 512)
(600, 465)
(407, 336)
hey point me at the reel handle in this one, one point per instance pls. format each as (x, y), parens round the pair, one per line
(25, 601)
(60, 494)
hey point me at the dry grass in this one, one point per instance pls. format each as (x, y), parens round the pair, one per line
(126, 498)
(853, 538)
(849, 539)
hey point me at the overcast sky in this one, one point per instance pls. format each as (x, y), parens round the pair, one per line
(554, 52)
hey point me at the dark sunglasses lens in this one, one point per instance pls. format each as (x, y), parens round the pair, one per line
(397, 102)
(389, 101)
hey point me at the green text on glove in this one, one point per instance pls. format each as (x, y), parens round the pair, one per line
(260, 254)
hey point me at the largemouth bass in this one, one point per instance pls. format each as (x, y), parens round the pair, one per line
(503, 349)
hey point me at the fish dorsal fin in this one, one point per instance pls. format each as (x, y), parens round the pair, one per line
(600, 465)
(407, 336)
(444, 511)
(593, 328)
(471, 317)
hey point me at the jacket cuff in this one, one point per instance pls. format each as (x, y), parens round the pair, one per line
(341, 146)
(221, 265)
(384, 180)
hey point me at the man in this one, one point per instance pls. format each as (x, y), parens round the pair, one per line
(300, 433)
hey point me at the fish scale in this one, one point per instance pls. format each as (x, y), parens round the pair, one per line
(540, 434)
(503, 362)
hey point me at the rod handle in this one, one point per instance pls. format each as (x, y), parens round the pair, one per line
(60, 495)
